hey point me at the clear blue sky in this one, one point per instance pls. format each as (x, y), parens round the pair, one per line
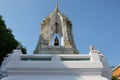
(95, 22)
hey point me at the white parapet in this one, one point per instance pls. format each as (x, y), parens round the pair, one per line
(56, 67)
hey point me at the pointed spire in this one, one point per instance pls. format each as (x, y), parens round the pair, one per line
(56, 9)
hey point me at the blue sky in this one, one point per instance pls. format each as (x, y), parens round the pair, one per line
(95, 22)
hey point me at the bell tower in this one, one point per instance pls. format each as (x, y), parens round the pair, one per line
(56, 35)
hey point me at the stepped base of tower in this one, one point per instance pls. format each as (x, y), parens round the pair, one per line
(56, 50)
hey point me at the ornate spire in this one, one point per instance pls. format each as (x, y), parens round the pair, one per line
(55, 39)
(56, 9)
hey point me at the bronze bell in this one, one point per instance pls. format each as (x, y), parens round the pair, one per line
(56, 41)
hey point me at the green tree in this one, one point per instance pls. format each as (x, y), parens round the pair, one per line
(114, 78)
(7, 40)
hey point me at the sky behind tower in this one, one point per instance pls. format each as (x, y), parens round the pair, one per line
(95, 22)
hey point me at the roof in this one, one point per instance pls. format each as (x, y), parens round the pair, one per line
(116, 67)
(57, 11)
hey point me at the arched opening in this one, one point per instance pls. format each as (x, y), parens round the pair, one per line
(56, 40)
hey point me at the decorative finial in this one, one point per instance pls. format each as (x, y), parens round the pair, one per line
(56, 9)
(19, 46)
(92, 47)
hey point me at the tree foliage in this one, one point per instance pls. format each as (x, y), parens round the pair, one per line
(7, 40)
(114, 78)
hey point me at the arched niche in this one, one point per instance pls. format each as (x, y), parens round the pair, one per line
(56, 30)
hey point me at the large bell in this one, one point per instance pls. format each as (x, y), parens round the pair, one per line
(56, 41)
